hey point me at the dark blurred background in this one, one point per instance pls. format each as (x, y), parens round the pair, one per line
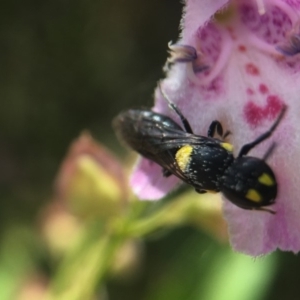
(67, 66)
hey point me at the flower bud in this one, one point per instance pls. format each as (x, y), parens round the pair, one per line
(91, 180)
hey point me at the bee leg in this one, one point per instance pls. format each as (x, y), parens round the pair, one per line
(166, 173)
(265, 209)
(174, 107)
(226, 134)
(246, 148)
(200, 191)
(269, 151)
(183, 119)
(215, 126)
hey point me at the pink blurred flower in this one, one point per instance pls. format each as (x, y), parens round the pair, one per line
(91, 181)
(238, 62)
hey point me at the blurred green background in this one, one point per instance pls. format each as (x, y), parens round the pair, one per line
(67, 66)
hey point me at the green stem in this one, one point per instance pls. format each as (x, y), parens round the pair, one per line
(81, 273)
(84, 268)
(171, 214)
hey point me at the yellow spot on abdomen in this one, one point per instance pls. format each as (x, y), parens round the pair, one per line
(253, 195)
(183, 157)
(227, 146)
(266, 179)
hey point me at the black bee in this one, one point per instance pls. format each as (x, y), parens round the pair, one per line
(206, 163)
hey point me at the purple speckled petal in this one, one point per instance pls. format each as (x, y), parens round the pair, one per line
(246, 94)
(245, 87)
(197, 13)
(270, 27)
(258, 233)
(295, 4)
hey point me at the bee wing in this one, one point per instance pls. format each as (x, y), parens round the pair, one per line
(150, 133)
(156, 137)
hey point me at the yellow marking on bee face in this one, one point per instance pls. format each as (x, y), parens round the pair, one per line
(253, 195)
(266, 179)
(227, 146)
(183, 156)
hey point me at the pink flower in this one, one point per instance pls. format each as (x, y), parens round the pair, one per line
(238, 62)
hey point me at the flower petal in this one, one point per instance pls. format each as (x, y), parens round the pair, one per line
(247, 84)
(258, 233)
(148, 182)
(246, 96)
(197, 13)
